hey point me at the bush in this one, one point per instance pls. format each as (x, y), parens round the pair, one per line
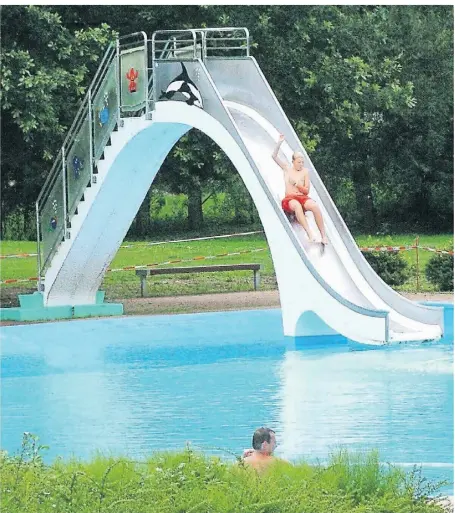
(391, 267)
(19, 225)
(439, 271)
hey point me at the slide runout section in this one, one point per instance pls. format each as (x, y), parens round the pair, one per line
(340, 273)
(241, 81)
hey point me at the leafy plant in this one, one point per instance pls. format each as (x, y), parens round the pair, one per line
(439, 272)
(391, 267)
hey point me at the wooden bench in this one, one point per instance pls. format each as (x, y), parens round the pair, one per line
(143, 273)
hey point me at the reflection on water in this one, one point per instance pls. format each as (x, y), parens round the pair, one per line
(397, 401)
(136, 385)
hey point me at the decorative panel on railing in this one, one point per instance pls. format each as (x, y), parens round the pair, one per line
(105, 110)
(78, 164)
(52, 214)
(133, 79)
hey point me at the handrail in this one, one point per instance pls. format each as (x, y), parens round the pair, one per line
(102, 68)
(154, 41)
(207, 31)
(206, 35)
(165, 47)
(76, 119)
(173, 40)
(49, 178)
(58, 169)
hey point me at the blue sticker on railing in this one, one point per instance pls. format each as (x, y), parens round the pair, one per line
(103, 114)
(78, 166)
(53, 221)
(186, 87)
(132, 76)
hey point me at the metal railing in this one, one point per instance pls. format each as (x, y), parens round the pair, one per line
(191, 44)
(168, 44)
(109, 98)
(217, 43)
(123, 86)
(71, 173)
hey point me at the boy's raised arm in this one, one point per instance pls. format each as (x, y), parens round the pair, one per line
(275, 153)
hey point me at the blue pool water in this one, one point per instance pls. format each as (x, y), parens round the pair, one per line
(137, 384)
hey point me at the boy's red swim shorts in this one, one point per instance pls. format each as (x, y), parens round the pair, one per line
(301, 198)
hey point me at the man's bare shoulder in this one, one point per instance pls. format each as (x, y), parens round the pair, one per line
(264, 464)
(258, 463)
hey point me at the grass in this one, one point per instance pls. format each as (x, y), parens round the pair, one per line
(191, 482)
(125, 284)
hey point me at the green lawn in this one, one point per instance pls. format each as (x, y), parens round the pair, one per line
(125, 284)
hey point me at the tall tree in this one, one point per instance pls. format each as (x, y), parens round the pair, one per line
(369, 91)
(194, 166)
(44, 73)
(421, 141)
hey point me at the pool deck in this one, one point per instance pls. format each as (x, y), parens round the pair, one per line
(230, 301)
(222, 302)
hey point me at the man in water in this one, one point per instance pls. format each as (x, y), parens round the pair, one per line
(297, 189)
(264, 443)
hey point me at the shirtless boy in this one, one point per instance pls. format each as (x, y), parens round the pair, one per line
(297, 200)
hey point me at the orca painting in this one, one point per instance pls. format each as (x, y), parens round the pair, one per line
(184, 85)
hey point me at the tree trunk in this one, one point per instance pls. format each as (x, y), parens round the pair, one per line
(253, 211)
(195, 216)
(366, 210)
(142, 224)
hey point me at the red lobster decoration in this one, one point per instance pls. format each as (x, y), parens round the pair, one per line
(132, 77)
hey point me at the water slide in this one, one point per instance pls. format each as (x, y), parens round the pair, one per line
(322, 292)
(334, 264)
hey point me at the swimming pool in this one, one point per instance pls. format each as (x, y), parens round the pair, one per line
(138, 384)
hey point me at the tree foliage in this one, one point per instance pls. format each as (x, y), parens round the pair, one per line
(369, 90)
(44, 73)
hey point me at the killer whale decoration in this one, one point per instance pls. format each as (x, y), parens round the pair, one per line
(184, 85)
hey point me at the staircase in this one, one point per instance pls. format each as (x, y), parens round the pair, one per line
(119, 103)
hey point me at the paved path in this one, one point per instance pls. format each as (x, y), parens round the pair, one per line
(220, 302)
(228, 301)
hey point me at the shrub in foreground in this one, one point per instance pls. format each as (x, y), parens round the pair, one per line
(189, 482)
(439, 272)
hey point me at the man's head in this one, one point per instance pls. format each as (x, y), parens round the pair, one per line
(264, 440)
(298, 160)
